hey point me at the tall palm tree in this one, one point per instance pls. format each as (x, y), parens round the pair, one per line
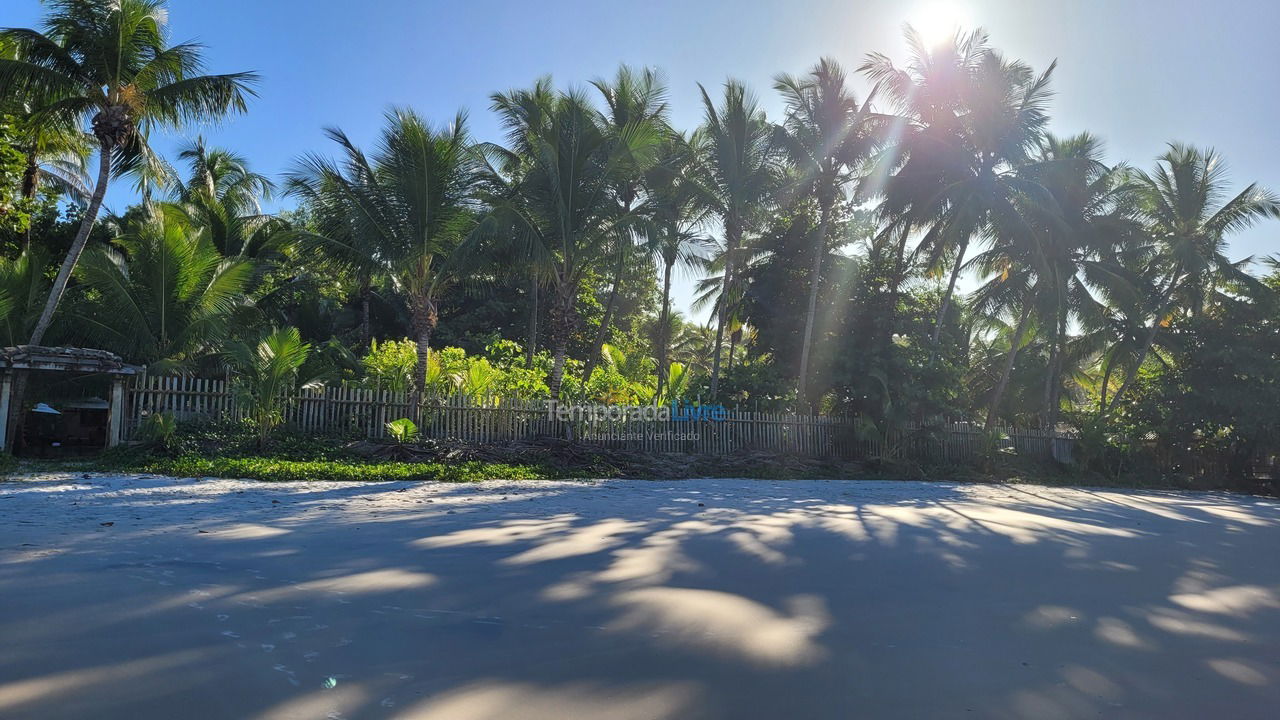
(110, 63)
(827, 137)
(330, 239)
(222, 195)
(1189, 216)
(408, 209)
(55, 156)
(676, 210)
(738, 162)
(912, 164)
(632, 99)
(553, 191)
(1093, 221)
(968, 119)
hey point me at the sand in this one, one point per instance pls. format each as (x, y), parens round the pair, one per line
(151, 597)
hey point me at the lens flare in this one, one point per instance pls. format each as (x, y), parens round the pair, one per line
(938, 22)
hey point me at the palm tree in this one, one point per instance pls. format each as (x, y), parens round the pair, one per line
(406, 211)
(1091, 224)
(738, 164)
(56, 156)
(57, 159)
(827, 137)
(174, 298)
(223, 195)
(748, 261)
(329, 239)
(676, 209)
(679, 379)
(968, 119)
(636, 101)
(1188, 220)
(691, 346)
(1118, 335)
(110, 63)
(636, 367)
(912, 165)
(1010, 294)
(552, 191)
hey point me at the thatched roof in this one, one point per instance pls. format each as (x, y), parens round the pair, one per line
(68, 359)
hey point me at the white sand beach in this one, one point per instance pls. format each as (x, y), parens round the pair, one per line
(149, 597)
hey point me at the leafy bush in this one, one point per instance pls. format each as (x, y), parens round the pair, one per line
(159, 429)
(231, 438)
(266, 375)
(389, 365)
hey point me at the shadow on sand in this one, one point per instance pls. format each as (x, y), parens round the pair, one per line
(697, 599)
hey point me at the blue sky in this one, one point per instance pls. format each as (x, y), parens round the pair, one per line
(1136, 73)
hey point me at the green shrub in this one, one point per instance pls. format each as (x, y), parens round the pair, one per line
(266, 374)
(159, 429)
(389, 365)
(232, 438)
(275, 470)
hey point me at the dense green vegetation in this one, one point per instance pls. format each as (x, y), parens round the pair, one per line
(834, 246)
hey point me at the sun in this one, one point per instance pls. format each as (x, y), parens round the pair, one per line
(938, 21)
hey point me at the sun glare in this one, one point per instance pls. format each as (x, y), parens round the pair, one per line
(937, 22)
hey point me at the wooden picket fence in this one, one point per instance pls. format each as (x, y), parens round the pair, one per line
(365, 412)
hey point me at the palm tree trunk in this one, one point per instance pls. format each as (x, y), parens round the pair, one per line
(1050, 376)
(664, 326)
(17, 415)
(30, 188)
(17, 410)
(1108, 366)
(899, 273)
(1015, 346)
(733, 346)
(424, 361)
(366, 332)
(422, 310)
(815, 275)
(893, 291)
(731, 235)
(1055, 399)
(531, 346)
(77, 245)
(561, 327)
(715, 355)
(31, 175)
(602, 333)
(946, 299)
